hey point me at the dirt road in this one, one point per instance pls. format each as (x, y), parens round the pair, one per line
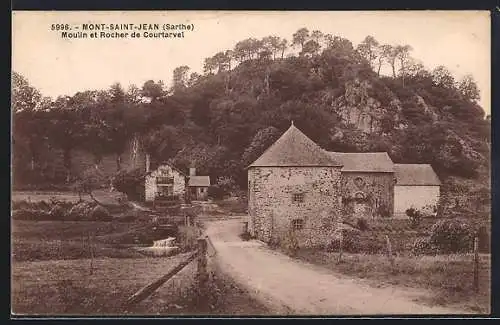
(289, 286)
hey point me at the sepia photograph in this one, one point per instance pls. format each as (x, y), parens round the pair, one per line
(250, 163)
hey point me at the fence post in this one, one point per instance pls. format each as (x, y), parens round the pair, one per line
(91, 250)
(341, 244)
(476, 264)
(202, 273)
(389, 251)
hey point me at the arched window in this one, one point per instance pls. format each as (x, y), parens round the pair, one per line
(359, 196)
(359, 182)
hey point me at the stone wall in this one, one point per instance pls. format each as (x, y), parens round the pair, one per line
(364, 194)
(272, 208)
(151, 189)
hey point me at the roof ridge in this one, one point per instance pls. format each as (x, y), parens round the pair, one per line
(294, 148)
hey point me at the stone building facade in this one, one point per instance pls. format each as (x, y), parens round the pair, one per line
(305, 198)
(297, 186)
(165, 181)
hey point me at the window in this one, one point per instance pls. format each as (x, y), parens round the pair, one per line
(297, 224)
(164, 191)
(164, 180)
(359, 182)
(298, 197)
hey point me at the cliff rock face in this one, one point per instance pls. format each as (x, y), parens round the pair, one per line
(426, 108)
(356, 107)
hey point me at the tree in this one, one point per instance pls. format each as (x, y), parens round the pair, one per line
(318, 37)
(271, 44)
(340, 46)
(209, 65)
(28, 121)
(153, 90)
(390, 55)
(247, 49)
(300, 37)
(24, 96)
(368, 49)
(194, 78)
(442, 77)
(311, 48)
(133, 95)
(468, 88)
(180, 78)
(283, 45)
(403, 55)
(260, 142)
(117, 93)
(66, 130)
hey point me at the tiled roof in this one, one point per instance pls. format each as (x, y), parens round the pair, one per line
(199, 181)
(294, 148)
(364, 162)
(415, 174)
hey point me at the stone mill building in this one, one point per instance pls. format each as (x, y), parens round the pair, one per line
(296, 185)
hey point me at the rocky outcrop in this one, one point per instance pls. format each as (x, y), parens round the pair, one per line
(357, 108)
(426, 108)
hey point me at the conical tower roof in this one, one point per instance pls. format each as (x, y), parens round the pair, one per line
(294, 148)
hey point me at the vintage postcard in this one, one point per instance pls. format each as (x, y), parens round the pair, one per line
(250, 163)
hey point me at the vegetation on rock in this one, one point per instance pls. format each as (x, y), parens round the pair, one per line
(223, 119)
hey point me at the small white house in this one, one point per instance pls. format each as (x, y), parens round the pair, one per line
(417, 186)
(165, 181)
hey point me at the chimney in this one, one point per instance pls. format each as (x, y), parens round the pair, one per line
(148, 163)
(192, 171)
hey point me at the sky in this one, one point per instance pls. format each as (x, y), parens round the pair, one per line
(459, 40)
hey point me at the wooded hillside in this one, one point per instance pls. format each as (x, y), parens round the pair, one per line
(223, 119)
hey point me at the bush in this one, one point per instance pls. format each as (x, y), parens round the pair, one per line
(31, 214)
(290, 243)
(80, 211)
(245, 236)
(452, 236)
(353, 241)
(362, 224)
(216, 192)
(423, 246)
(130, 183)
(383, 211)
(415, 217)
(99, 213)
(58, 212)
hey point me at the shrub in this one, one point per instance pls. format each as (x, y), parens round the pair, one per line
(353, 241)
(58, 212)
(362, 224)
(99, 213)
(31, 214)
(245, 236)
(216, 192)
(80, 210)
(20, 204)
(290, 243)
(130, 183)
(383, 211)
(423, 246)
(452, 236)
(415, 217)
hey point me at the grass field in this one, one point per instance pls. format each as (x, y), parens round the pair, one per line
(104, 196)
(53, 274)
(66, 286)
(448, 277)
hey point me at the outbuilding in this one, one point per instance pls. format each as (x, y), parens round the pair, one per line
(417, 186)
